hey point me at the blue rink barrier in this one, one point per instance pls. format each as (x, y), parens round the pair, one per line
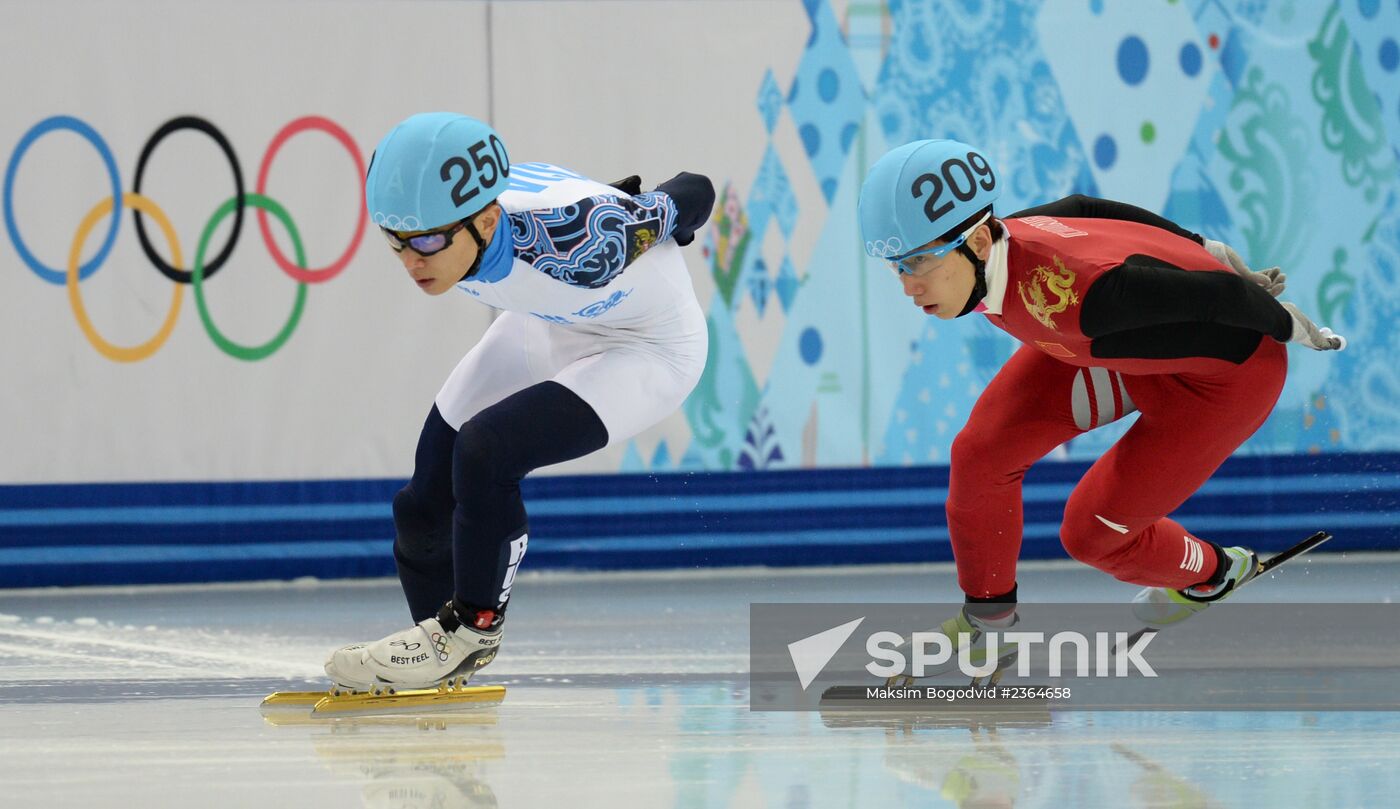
(141, 533)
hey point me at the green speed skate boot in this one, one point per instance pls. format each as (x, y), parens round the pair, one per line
(1162, 606)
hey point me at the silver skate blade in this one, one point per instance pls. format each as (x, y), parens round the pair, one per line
(1265, 566)
(1283, 556)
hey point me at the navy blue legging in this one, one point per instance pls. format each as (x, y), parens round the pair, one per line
(459, 519)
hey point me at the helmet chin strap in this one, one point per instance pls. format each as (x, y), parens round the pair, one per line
(480, 251)
(979, 285)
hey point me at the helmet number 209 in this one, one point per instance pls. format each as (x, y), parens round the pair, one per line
(495, 161)
(960, 177)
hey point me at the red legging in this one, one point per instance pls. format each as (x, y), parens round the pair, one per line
(1115, 518)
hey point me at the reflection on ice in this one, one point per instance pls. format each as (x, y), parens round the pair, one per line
(402, 762)
(612, 701)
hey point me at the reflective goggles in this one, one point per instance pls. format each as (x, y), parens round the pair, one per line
(904, 265)
(424, 244)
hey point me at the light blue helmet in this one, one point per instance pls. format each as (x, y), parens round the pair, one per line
(921, 191)
(433, 169)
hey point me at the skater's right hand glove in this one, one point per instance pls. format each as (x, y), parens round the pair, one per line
(1271, 280)
(694, 196)
(1307, 333)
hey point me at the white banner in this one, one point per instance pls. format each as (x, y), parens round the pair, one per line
(116, 372)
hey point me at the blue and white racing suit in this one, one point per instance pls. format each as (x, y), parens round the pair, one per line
(595, 296)
(600, 337)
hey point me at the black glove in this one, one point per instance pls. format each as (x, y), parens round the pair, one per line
(694, 196)
(631, 186)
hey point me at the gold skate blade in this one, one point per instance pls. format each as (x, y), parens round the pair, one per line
(294, 699)
(420, 700)
(278, 706)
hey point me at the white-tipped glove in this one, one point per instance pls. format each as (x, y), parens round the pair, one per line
(1307, 332)
(1272, 280)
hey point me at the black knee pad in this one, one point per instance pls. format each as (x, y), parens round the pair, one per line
(411, 513)
(480, 459)
(422, 530)
(421, 555)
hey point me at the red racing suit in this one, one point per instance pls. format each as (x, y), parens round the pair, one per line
(1115, 315)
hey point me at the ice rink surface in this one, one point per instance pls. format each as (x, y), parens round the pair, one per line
(623, 690)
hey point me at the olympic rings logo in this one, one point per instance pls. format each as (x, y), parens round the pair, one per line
(442, 644)
(393, 222)
(885, 248)
(201, 270)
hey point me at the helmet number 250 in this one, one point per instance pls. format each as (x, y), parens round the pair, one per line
(957, 177)
(495, 160)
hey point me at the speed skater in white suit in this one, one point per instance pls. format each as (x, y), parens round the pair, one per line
(600, 337)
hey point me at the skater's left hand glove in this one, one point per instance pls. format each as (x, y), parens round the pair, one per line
(1307, 332)
(1271, 280)
(630, 185)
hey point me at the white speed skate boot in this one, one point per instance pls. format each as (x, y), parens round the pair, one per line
(1162, 606)
(436, 650)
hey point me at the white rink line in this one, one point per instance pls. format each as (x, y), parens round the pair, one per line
(240, 661)
(1347, 558)
(159, 658)
(54, 654)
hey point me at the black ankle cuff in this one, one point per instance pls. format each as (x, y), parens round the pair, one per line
(1222, 566)
(992, 609)
(449, 617)
(1009, 597)
(470, 615)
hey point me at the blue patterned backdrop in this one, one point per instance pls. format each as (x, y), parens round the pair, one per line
(1272, 126)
